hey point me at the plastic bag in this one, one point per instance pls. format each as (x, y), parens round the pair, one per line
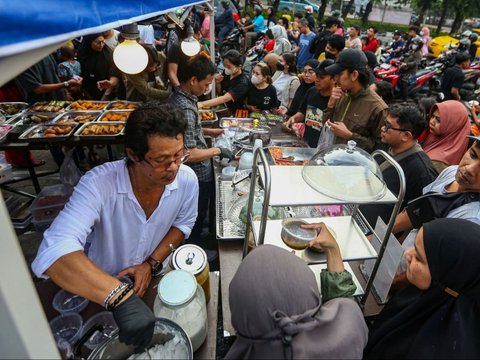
(69, 172)
(326, 138)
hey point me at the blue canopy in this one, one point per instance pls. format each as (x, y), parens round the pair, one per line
(26, 25)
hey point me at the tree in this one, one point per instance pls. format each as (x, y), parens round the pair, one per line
(321, 11)
(443, 15)
(347, 8)
(366, 13)
(276, 4)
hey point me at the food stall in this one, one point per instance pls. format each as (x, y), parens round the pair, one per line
(30, 31)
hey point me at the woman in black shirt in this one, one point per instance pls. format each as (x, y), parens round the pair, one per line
(261, 94)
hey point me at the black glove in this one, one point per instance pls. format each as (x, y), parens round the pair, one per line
(226, 154)
(136, 323)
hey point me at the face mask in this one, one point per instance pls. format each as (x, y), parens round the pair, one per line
(329, 55)
(256, 80)
(209, 90)
(280, 66)
(228, 71)
(414, 47)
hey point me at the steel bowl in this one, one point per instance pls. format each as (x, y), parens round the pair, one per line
(263, 133)
(296, 237)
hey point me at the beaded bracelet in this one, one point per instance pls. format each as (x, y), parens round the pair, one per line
(113, 293)
(112, 306)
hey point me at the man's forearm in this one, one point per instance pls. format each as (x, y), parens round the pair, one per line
(199, 155)
(174, 237)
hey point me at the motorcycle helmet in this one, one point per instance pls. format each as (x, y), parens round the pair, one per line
(473, 38)
(417, 41)
(464, 43)
(258, 9)
(466, 34)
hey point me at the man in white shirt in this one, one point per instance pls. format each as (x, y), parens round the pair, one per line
(133, 212)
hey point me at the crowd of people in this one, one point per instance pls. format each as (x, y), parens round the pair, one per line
(322, 82)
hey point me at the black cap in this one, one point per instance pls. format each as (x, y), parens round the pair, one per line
(349, 59)
(397, 32)
(371, 58)
(320, 69)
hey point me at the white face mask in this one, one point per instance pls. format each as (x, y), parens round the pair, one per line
(256, 80)
(228, 71)
(414, 47)
(209, 90)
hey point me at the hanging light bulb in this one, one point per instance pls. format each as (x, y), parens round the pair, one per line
(129, 56)
(190, 46)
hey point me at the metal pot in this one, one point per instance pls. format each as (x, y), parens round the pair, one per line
(165, 330)
(263, 133)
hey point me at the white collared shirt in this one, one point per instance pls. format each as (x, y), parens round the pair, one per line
(104, 211)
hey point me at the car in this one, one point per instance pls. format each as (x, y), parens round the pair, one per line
(297, 5)
(443, 43)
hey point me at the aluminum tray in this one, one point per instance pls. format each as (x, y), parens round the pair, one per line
(232, 122)
(78, 133)
(35, 133)
(226, 197)
(71, 115)
(25, 117)
(101, 118)
(113, 103)
(207, 122)
(65, 105)
(298, 154)
(22, 106)
(69, 108)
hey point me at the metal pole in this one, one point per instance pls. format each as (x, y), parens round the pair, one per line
(212, 41)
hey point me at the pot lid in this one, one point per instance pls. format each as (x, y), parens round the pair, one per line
(190, 258)
(345, 172)
(177, 287)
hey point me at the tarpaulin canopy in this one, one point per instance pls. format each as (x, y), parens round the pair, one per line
(31, 29)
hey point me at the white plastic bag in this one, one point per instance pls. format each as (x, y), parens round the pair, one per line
(326, 138)
(69, 172)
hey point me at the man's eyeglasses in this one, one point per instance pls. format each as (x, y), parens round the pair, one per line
(166, 164)
(387, 126)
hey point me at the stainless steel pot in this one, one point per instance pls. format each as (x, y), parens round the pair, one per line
(165, 330)
(263, 133)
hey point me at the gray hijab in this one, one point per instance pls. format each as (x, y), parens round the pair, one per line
(277, 312)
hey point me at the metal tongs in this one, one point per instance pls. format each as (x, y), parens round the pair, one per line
(234, 183)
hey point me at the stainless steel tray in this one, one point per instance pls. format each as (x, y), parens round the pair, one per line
(73, 116)
(26, 118)
(20, 106)
(36, 133)
(232, 122)
(72, 106)
(226, 196)
(292, 155)
(102, 118)
(79, 132)
(207, 122)
(112, 105)
(60, 108)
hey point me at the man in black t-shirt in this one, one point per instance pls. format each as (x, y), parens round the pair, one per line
(453, 78)
(315, 102)
(403, 125)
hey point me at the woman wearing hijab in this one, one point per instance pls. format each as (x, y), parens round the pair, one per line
(282, 45)
(425, 34)
(438, 315)
(446, 141)
(278, 313)
(99, 73)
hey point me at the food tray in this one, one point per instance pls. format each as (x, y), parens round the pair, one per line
(290, 155)
(79, 132)
(9, 107)
(77, 117)
(83, 105)
(268, 116)
(231, 122)
(212, 121)
(36, 133)
(118, 114)
(40, 118)
(49, 106)
(123, 105)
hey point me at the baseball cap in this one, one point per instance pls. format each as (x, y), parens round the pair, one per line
(397, 32)
(351, 59)
(308, 9)
(371, 58)
(321, 68)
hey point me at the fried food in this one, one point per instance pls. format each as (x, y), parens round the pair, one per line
(49, 106)
(57, 131)
(116, 116)
(124, 106)
(207, 115)
(87, 105)
(95, 129)
(276, 152)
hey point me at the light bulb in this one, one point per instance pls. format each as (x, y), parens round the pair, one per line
(190, 46)
(130, 57)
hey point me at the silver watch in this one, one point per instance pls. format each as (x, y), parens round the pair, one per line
(66, 84)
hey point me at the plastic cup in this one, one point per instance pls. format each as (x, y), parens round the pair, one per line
(67, 326)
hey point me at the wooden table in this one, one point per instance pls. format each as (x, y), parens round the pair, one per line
(47, 290)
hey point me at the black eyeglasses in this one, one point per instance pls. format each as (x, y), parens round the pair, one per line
(389, 126)
(164, 165)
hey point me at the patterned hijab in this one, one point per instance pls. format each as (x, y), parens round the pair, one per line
(278, 314)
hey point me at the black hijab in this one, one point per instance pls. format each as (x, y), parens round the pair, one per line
(435, 323)
(96, 66)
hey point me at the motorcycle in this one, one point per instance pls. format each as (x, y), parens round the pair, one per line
(232, 40)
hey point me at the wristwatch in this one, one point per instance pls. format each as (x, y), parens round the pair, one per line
(66, 84)
(156, 266)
